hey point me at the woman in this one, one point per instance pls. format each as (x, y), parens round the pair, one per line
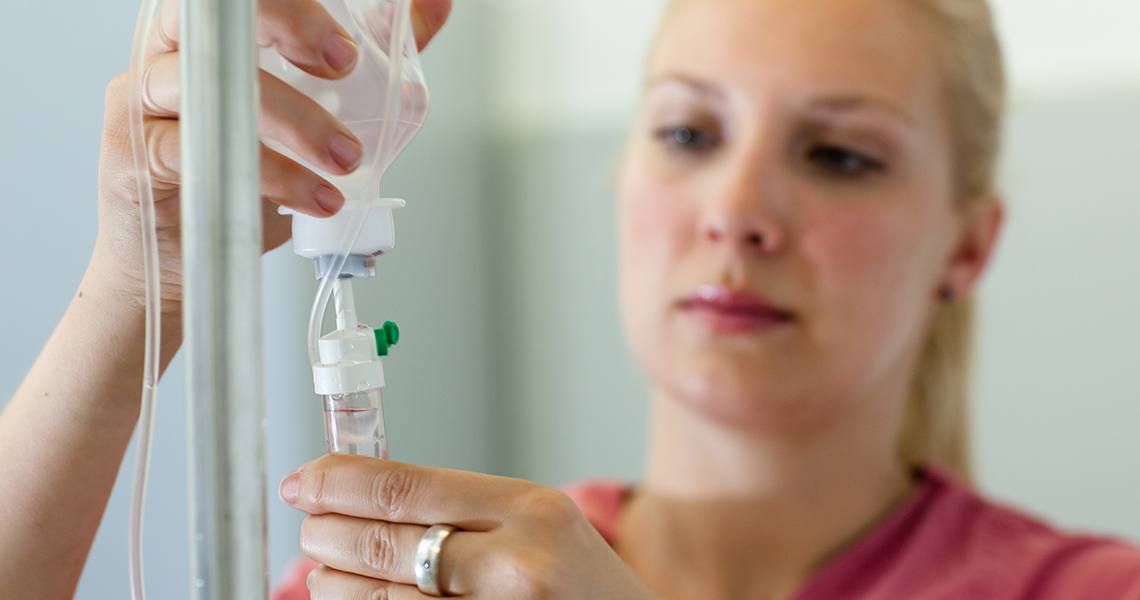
(806, 205)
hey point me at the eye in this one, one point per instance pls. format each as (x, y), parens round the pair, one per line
(841, 162)
(684, 138)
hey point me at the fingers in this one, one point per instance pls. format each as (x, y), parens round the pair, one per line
(161, 86)
(362, 546)
(305, 34)
(428, 17)
(306, 128)
(287, 116)
(302, 31)
(284, 182)
(329, 584)
(164, 153)
(276, 229)
(164, 32)
(387, 551)
(402, 493)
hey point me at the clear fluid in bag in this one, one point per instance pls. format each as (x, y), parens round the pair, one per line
(360, 99)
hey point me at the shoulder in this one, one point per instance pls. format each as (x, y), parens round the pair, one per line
(600, 501)
(294, 585)
(1003, 547)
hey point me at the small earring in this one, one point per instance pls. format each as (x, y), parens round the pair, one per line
(947, 294)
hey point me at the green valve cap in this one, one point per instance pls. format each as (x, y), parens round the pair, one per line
(386, 337)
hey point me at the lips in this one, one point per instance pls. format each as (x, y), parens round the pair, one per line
(730, 311)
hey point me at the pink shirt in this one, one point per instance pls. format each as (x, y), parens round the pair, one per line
(944, 543)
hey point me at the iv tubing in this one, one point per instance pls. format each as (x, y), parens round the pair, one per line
(331, 283)
(345, 304)
(400, 19)
(151, 360)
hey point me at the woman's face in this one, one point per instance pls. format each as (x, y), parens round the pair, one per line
(786, 207)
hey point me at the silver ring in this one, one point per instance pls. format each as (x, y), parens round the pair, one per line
(427, 559)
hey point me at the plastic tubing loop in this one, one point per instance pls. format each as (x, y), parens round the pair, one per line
(401, 19)
(151, 361)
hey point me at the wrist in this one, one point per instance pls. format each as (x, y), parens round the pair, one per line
(118, 297)
(112, 275)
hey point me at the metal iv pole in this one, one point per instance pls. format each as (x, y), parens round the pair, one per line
(221, 245)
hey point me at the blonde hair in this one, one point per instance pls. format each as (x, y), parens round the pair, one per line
(936, 428)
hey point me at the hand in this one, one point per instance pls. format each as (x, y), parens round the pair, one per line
(305, 34)
(515, 539)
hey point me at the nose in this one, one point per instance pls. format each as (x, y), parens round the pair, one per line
(742, 211)
(756, 238)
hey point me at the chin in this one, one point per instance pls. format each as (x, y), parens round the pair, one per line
(742, 396)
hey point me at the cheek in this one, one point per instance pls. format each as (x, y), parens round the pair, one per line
(654, 235)
(857, 252)
(655, 230)
(871, 269)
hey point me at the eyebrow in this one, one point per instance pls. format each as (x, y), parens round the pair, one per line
(705, 88)
(842, 103)
(837, 103)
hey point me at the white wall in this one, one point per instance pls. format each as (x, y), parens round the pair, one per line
(564, 65)
(1058, 392)
(1058, 44)
(571, 63)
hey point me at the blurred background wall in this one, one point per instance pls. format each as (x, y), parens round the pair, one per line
(512, 360)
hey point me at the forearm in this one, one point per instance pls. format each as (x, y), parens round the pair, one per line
(63, 437)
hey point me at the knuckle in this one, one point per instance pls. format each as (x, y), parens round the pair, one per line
(535, 590)
(313, 580)
(528, 578)
(161, 143)
(377, 549)
(391, 491)
(154, 154)
(314, 487)
(146, 94)
(551, 506)
(380, 593)
(530, 586)
(308, 536)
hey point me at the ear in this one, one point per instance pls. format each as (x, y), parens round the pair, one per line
(974, 249)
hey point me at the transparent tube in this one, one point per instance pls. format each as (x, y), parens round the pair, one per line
(354, 424)
(401, 24)
(151, 361)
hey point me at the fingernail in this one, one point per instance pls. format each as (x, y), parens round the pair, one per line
(328, 198)
(290, 488)
(345, 151)
(339, 52)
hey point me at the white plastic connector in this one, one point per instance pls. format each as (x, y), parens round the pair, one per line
(349, 363)
(349, 360)
(315, 237)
